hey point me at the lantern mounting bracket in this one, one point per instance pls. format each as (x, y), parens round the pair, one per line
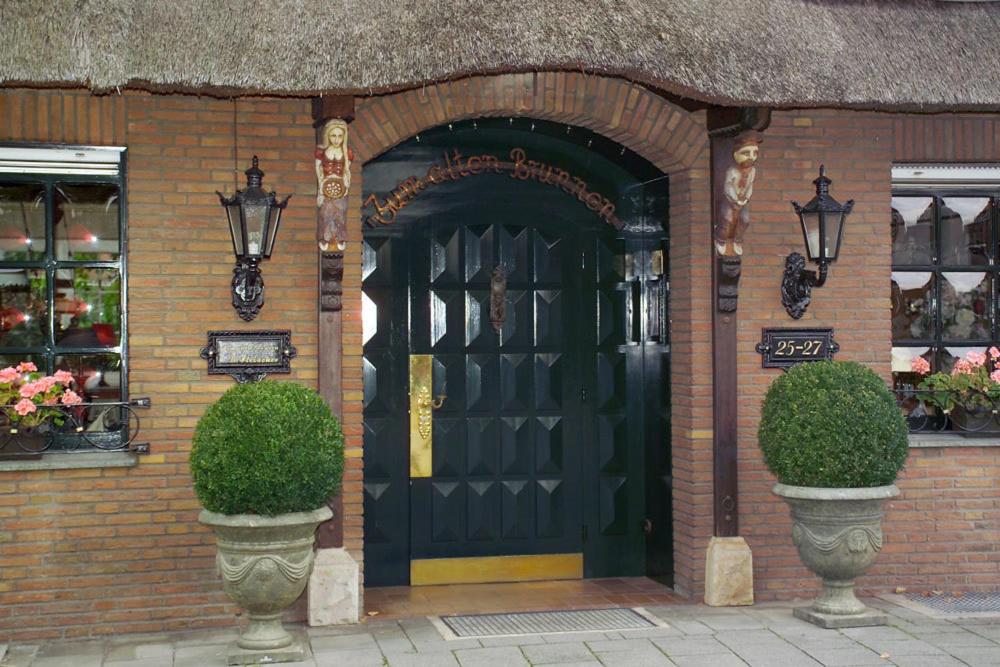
(797, 284)
(248, 289)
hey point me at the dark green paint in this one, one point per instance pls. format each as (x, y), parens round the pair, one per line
(555, 434)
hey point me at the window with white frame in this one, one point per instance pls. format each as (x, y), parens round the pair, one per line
(63, 269)
(945, 265)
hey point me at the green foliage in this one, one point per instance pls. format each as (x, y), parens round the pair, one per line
(267, 448)
(832, 424)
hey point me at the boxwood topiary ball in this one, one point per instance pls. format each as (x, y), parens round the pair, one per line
(267, 448)
(832, 424)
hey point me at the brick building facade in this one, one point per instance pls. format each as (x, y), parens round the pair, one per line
(117, 548)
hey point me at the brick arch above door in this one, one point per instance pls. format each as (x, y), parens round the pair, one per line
(673, 140)
(637, 118)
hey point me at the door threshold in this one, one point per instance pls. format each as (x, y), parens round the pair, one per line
(436, 600)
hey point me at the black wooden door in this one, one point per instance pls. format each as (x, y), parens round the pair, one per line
(554, 436)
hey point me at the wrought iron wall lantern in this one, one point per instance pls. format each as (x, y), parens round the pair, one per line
(822, 221)
(254, 216)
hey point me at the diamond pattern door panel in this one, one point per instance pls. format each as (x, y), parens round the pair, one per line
(386, 488)
(503, 444)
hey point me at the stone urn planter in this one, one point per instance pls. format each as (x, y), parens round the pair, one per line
(266, 458)
(838, 533)
(833, 435)
(265, 562)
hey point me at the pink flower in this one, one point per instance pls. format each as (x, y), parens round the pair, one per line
(71, 398)
(920, 366)
(27, 367)
(45, 383)
(977, 359)
(29, 389)
(995, 376)
(24, 407)
(962, 367)
(994, 353)
(9, 375)
(65, 377)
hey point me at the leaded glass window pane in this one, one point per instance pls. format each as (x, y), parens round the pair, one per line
(22, 222)
(913, 230)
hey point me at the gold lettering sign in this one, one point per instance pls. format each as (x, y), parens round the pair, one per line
(456, 166)
(239, 352)
(249, 356)
(782, 348)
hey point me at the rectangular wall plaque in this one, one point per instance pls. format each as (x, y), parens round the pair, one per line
(782, 348)
(248, 356)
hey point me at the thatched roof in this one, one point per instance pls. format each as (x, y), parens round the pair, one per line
(915, 54)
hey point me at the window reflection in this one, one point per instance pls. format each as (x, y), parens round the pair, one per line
(22, 222)
(88, 307)
(86, 222)
(965, 305)
(903, 376)
(965, 230)
(97, 376)
(912, 230)
(912, 305)
(23, 321)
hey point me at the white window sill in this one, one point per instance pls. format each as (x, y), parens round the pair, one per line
(73, 461)
(942, 440)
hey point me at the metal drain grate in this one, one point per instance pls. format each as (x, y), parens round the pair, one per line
(543, 622)
(966, 603)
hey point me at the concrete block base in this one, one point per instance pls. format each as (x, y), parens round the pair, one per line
(728, 573)
(865, 619)
(334, 589)
(298, 651)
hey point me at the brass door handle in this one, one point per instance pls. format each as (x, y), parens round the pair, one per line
(422, 405)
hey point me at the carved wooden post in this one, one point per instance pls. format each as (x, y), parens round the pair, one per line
(735, 138)
(325, 109)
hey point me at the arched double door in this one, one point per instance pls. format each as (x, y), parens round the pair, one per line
(516, 358)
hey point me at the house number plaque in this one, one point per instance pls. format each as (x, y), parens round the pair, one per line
(783, 348)
(248, 356)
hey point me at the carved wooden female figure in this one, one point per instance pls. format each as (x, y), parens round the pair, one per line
(333, 176)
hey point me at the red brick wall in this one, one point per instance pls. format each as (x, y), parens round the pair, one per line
(942, 532)
(88, 552)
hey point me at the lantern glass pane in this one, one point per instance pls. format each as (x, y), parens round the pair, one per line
(810, 228)
(833, 228)
(235, 228)
(255, 214)
(272, 231)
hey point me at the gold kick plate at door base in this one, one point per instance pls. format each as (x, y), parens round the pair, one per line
(422, 405)
(495, 569)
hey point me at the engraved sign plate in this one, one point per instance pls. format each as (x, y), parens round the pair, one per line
(248, 356)
(783, 348)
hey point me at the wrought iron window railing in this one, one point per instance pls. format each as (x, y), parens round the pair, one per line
(971, 414)
(104, 426)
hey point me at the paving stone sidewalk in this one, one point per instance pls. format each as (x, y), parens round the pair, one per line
(698, 636)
